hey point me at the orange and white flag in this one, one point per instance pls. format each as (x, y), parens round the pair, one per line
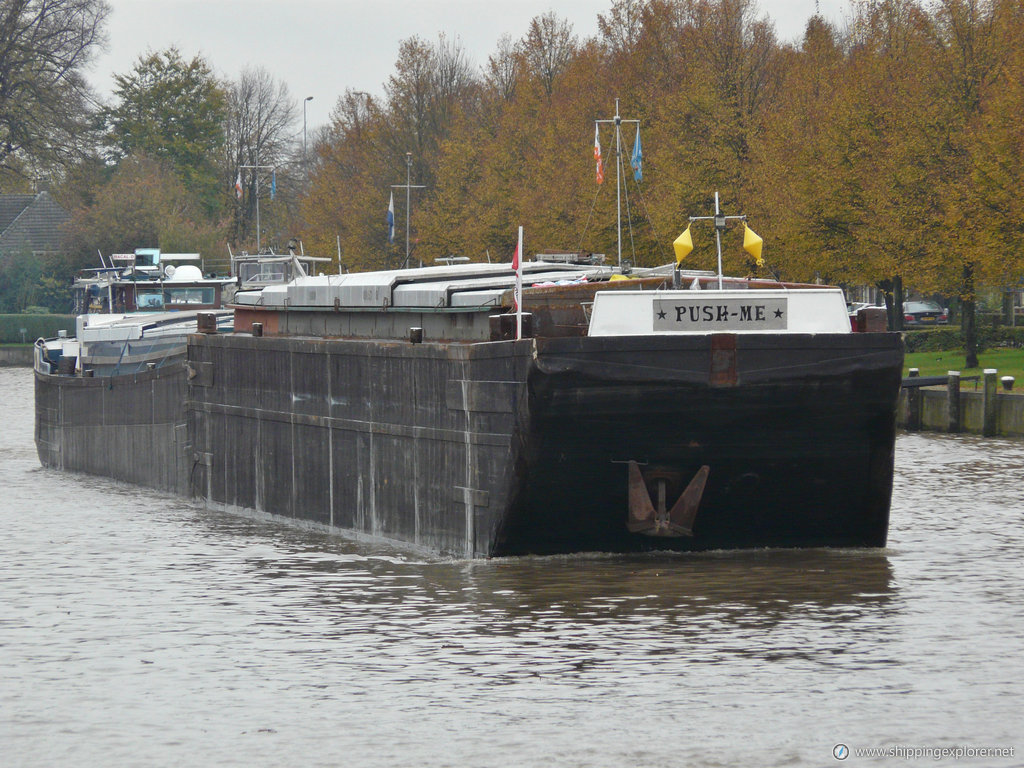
(597, 156)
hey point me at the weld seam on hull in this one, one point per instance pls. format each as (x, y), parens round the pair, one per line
(354, 425)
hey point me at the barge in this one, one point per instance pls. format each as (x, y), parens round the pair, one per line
(671, 410)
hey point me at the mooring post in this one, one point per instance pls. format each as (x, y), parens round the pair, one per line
(988, 428)
(953, 401)
(914, 403)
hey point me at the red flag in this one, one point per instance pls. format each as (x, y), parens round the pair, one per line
(238, 186)
(515, 258)
(597, 156)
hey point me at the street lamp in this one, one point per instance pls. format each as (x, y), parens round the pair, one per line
(304, 102)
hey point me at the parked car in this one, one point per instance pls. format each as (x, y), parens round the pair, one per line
(919, 314)
(853, 307)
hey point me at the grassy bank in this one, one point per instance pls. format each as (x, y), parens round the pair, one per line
(1009, 362)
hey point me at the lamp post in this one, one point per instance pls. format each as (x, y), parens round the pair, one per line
(304, 102)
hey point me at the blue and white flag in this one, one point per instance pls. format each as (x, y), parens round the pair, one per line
(273, 184)
(637, 160)
(391, 219)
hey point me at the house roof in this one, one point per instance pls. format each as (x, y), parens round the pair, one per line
(31, 222)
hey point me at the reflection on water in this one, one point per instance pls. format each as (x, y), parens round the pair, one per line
(142, 629)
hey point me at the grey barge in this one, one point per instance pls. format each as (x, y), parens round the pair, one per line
(632, 415)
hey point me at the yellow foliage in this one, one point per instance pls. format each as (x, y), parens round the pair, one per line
(890, 149)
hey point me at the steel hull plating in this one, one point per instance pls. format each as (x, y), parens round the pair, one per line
(130, 427)
(797, 434)
(508, 447)
(518, 447)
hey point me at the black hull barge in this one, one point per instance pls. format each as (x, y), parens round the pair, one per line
(525, 447)
(625, 422)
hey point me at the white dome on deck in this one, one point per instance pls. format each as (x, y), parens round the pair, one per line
(185, 273)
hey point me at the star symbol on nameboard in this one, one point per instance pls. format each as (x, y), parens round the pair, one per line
(778, 313)
(661, 315)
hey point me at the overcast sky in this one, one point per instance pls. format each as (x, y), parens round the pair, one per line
(321, 47)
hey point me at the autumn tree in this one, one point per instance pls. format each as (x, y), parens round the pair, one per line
(504, 70)
(972, 55)
(145, 204)
(548, 48)
(855, 152)
(715, 71)
(350, 178)
(368, 144)
(996, 175)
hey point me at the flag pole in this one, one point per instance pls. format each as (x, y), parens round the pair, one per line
(408, 186)
(719, 228)
(519, 286)
(618, 181)
(256, 176)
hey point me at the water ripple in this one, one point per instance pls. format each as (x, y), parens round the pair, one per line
(141, 629)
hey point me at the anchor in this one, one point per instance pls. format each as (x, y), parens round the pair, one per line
(649, 520)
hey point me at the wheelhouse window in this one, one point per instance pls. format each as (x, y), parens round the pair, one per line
(156, 299)
(189, 296)
(149, 299)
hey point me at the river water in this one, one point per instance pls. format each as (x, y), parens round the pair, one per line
(140, 629)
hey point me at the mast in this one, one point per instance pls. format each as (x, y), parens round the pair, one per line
(617, 121)
(719, 220)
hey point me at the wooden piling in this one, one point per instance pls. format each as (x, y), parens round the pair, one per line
(914, 403)
(989, 425)
(953, 423)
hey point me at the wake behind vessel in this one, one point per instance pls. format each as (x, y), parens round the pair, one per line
(632, 414)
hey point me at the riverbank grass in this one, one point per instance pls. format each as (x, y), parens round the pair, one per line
(1009, 362)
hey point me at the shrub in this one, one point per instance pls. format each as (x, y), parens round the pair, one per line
(952, 340)
(35, 326)
(934, 340)
(1004, 336)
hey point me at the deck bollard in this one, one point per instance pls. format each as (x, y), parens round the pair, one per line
(989, 426)
(1007, 383)
(206, 322)
(953, 401)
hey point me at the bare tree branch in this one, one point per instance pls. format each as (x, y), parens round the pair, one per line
(44, 100)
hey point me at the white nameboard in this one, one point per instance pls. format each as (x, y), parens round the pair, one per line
(755, 311)
(708, 313)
